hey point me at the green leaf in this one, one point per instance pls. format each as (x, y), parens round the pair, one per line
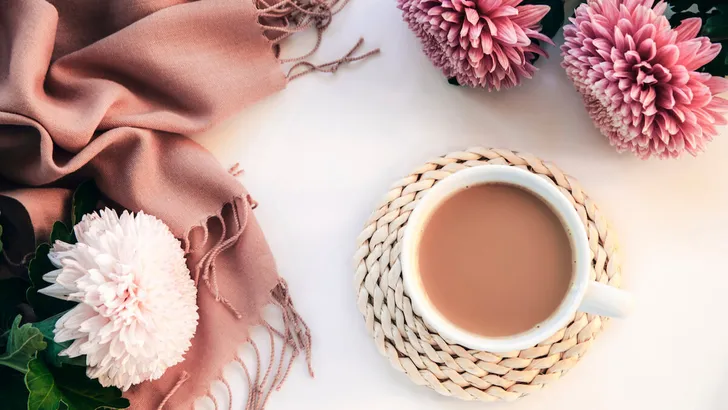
(51, 387)
(13, 392)
(60, 232)
(44, 393)
(46, 327)
(12, 293)
(678, 17)
(82, 393)
(680, 5)
(44, 306)
(85, 200)
(716, 26)
(23, 346)
(50, 354)
(39, 266)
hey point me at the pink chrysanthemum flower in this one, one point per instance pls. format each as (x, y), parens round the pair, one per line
(637, 76)
(481, 43)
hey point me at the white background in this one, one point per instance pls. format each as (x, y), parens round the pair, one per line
(321, 154)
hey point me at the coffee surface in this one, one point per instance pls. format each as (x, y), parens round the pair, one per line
(495, 260)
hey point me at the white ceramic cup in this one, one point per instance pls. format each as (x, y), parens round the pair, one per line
(583, 294)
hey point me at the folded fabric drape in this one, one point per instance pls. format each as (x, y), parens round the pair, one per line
(108, 90)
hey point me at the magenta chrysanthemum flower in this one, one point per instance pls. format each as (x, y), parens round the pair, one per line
(481, 43)
(637, 76)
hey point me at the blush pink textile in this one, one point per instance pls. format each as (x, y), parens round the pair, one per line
(108, 90)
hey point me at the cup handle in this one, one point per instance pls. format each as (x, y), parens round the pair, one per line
(605, 300)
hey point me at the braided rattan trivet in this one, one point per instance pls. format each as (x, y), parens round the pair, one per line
(425, 356)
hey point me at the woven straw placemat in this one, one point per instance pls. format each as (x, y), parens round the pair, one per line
(422, 354)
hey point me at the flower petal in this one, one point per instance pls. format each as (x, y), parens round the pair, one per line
(506, 31)
(688, 29)
(505, 11)
(472, 16)
(55, 291)
(530, 15)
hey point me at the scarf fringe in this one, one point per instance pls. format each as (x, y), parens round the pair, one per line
(183, 378)
(280, 19)
(295, 336)
(205, 267)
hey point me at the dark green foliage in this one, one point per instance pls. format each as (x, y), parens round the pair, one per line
(43, 306)
(714, 16)
(552, 21)
(34, 376)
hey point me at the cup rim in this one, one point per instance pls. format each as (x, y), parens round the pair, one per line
(535, 184)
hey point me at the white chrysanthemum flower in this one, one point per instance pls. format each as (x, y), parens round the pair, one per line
(137, 308)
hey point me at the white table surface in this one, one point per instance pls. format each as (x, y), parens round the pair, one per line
(321, 154)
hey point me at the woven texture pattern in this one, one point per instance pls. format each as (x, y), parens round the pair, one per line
(428, 359)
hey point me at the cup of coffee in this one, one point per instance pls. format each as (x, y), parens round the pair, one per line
(496, 258)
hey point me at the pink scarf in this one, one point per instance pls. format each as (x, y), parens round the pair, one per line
(108, 90)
